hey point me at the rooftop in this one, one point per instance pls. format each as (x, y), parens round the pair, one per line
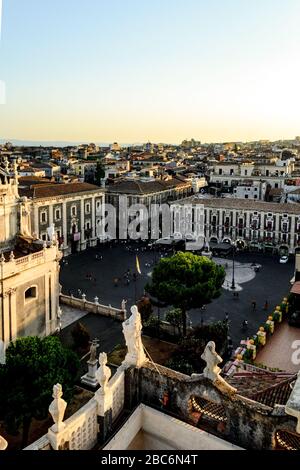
(150, 429)
(245, 204)
(146, 187)
(40, 191)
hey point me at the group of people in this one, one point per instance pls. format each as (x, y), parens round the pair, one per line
(245, 322)
(265, 307)
(127, 278)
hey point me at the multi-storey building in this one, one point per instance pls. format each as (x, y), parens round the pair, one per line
(250, 190)
(230, 174)
(249, 224)
(75, 209)
(149, 190)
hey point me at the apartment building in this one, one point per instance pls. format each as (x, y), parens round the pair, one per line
(255, 225)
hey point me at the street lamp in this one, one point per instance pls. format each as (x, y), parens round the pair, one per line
(233, 266)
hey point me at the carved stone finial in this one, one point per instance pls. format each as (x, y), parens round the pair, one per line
(12, 256)
(2, 258)
(212, 359)
(212, 371)
(132, 330)
(103, 374)
(57, 409)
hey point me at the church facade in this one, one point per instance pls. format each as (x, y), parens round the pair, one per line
(29, 269)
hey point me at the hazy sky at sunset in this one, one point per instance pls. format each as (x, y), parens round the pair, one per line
(159, 70)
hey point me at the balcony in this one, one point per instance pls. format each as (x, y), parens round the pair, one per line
(17, 265)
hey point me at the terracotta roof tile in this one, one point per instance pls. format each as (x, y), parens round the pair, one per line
(41, 191)
(145, 187)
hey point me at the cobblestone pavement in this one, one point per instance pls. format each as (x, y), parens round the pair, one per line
(97, 277)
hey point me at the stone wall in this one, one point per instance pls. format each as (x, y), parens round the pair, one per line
(31, 313)
(92, 307)
(249, 424)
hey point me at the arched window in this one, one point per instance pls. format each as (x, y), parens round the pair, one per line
(30, 293)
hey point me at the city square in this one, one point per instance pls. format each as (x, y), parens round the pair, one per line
(102, 272)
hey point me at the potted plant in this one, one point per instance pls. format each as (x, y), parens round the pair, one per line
(262, 336)
(270, 324)
(277, 315)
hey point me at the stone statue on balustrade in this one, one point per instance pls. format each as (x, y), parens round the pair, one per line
(25, 219)
(132, 330)
(212, 371)
(103, 374)
(51, 233)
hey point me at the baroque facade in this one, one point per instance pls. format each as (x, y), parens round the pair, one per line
(29, 280)
(75, 209)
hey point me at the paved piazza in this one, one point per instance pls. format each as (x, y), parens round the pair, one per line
(102, 271)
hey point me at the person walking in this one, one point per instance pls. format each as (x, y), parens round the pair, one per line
(253, 305)
(266, 306)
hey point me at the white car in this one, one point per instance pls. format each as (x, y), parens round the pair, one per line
(283, 259)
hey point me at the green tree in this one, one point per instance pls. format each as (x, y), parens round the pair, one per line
(174, 317)
(186, 281)
(187, 358)
(81, 336)
(33, 366)
(145, 308)
(99, 173)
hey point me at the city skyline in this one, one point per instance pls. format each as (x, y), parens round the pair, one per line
(132, 72)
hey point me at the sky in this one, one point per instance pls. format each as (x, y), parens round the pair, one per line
(150, 70)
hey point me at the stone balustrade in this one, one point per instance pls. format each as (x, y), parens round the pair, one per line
(116, 388)
(92, 307)
(80, 432)
(16, 265)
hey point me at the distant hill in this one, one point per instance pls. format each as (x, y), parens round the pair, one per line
(52, 143)
(48, 143)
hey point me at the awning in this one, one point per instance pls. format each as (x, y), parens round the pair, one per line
(295, 288)
(220, 246)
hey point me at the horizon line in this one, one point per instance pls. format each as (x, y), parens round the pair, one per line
(59, 143)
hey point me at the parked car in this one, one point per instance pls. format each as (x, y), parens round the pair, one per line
(283, 259)
(294, 319)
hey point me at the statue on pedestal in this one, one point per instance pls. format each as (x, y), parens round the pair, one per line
(93, 350)
(132, 330)
(123, 305)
